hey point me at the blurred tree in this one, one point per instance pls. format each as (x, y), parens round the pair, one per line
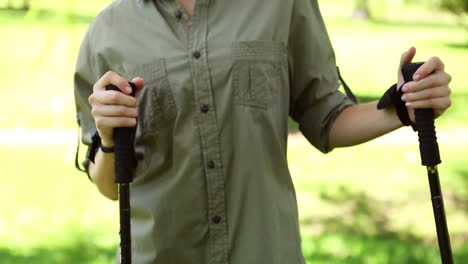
(361, 11)
(25, 6)
(459, 8)
(456, 6)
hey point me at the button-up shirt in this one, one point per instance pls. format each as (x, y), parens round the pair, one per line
(212, 183)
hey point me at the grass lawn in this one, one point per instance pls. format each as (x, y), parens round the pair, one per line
(52, 213)
(371, 203)
(372, 208)
(366, 204)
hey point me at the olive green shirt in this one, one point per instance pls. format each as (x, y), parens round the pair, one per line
(212, 183)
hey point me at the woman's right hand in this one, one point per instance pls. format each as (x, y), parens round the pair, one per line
(112, 109)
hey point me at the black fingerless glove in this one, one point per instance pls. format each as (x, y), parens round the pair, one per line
(393, 97)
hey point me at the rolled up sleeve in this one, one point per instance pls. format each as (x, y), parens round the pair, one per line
(315, 98)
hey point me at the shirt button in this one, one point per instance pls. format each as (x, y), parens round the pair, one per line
(197, 54)
(204, 108)
(178, 14)
(216, 219)
(211, 164)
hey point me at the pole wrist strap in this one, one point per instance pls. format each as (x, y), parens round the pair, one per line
(393, 97)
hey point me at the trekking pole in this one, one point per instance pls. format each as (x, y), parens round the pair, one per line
(125, 164)
(430, 158)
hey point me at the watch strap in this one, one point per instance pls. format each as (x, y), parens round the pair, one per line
(95, 145)
(105, 149)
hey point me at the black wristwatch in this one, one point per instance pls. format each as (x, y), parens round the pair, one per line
(97, 138)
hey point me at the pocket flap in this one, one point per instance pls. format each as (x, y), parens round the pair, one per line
(259, 50)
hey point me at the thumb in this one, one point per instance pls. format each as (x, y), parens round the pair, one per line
(406, 58)
(139, 83)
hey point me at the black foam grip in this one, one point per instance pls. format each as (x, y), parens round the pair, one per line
(125, 161)
(428, 146)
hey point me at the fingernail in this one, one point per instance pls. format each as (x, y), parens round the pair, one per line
(403, 98)
(404, 88)
(408, 104)
(128, 89)
(416, 77)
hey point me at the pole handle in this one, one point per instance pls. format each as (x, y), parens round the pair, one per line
(428, 146)
(125, 162)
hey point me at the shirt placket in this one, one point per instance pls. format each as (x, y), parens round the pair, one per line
(209, 134)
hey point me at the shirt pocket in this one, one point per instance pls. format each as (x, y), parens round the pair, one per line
(258, 69)
(156, 104)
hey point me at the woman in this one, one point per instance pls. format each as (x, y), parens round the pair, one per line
(216, 82)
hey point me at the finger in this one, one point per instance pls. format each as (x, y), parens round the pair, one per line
(113, 122)
(114, 111)
(441, 91)
(441, 103)
(430, 66)
(114, 98)
(139, 83)
(439, 78)
(408, 56)
(115, 79)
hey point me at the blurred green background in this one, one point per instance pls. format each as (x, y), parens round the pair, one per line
(366, 204)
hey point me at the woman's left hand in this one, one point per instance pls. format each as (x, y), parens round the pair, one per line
(430, 88)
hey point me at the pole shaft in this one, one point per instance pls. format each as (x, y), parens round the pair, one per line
(430, 157)
(125, 231)
(125, 164)
(439, 215)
